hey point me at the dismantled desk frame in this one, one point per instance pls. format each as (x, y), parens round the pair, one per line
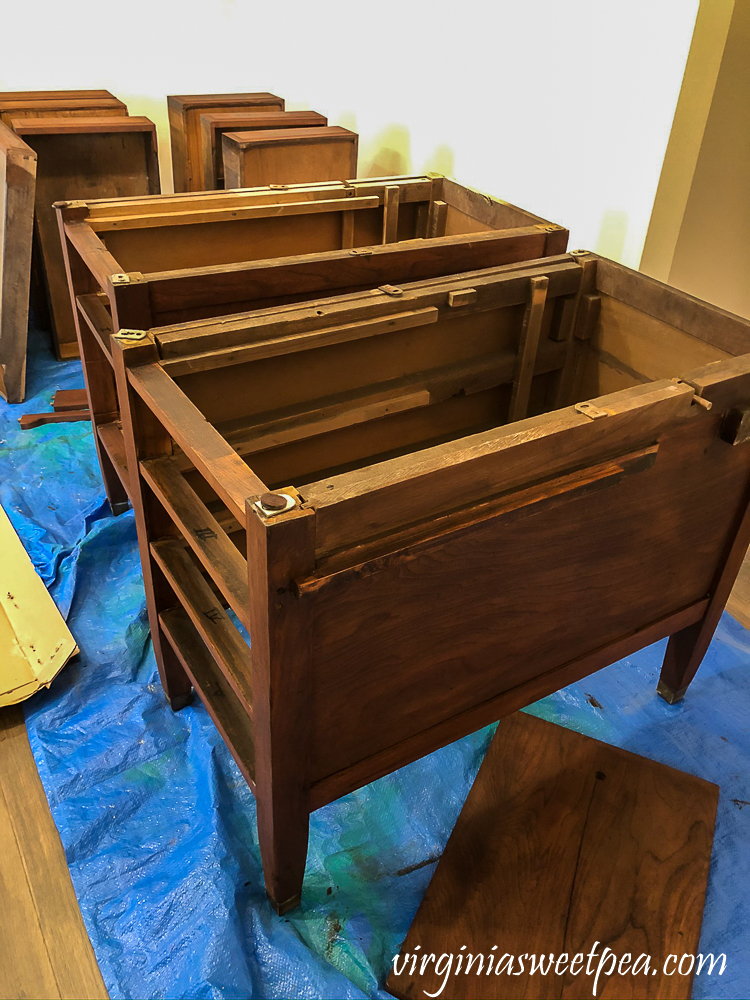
(150, 262)
(402, 499)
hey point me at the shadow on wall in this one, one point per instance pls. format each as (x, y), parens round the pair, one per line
(156, 110)
(613, 230)
(387, 154)
(441, 161)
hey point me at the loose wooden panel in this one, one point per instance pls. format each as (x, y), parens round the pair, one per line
(563, 842)
(185, 128)
(289, 156)
(555, 601)
(77, 159)
(17, 188)
(213, 126)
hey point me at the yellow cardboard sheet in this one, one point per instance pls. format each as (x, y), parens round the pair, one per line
(35, 643)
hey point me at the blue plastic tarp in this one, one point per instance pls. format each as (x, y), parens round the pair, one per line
(158, 824)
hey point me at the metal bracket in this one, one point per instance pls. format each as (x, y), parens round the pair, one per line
(278, 187)
(361, 253)
(131, 335)
(70, 204)
(120, 279)
(589, 410)
(393, 290)
(273, 504)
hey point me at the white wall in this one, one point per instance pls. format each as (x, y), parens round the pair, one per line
(561, 106)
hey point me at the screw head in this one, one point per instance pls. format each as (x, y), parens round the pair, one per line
(273, 501)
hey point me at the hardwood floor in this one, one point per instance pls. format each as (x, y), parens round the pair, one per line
(46, 951)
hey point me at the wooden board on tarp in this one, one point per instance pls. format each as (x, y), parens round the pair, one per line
(564, 842)
(35, 642)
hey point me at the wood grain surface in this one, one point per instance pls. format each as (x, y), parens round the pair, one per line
(46, 950)
(564, 842)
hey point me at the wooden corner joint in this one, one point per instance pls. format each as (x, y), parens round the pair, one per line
(137, 347)
(706, 404)
(72, 211)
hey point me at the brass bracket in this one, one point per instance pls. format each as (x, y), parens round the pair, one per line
(393, 290)
(120, 279)
(70, 204)
(589, 410)
(131, 335)
(361, 253)
(277, 187)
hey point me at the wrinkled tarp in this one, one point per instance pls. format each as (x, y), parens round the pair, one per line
(159, 826)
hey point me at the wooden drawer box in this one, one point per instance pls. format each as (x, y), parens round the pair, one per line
(400, 498)
(185, 111)
(146, 263)
(58, 104)
(289, 156)
(213, 127)
(81, 158)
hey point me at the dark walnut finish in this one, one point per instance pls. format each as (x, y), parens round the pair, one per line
(78, 158)
(563, 843)
(214, 125)
(438, 565)
(185, 112)
(165, 261)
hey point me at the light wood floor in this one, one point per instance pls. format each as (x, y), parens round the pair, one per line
(45, 949)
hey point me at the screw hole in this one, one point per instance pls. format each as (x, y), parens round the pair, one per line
(600, 775)
(281, 590)
(318, 312)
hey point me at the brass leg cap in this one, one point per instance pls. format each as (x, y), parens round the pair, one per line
(288, 904)
(670, 696)
(180, 701)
